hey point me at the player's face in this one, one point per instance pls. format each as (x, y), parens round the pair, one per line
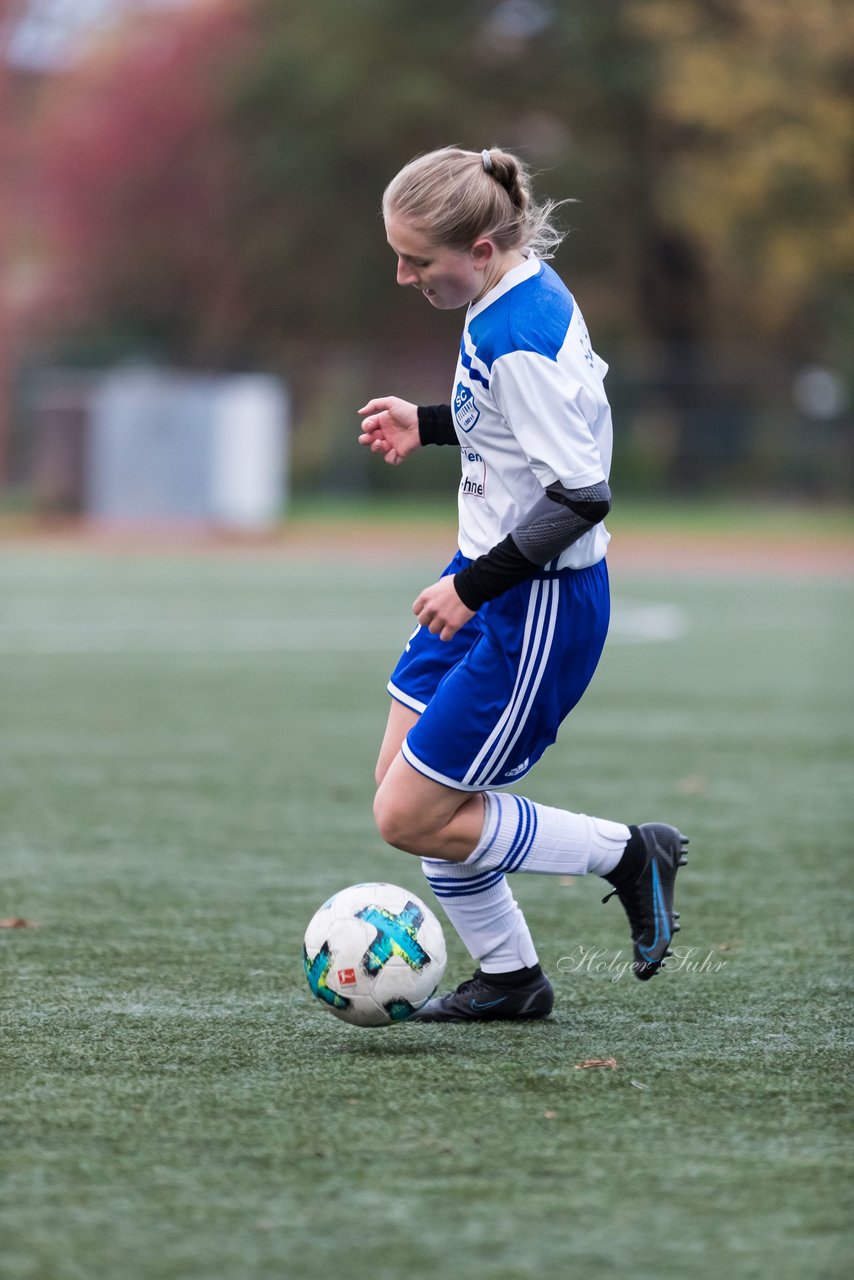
(447, 278)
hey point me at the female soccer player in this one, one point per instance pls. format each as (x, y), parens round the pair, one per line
(509, 637)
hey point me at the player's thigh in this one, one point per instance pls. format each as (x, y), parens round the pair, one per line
(400, 721)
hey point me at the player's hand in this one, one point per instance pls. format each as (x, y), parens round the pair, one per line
(390, 427)
(441, 610)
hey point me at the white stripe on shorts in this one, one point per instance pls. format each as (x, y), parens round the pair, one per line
(406, 699)
(536, 646)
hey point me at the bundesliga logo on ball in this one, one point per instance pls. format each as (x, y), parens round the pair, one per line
(374, 954)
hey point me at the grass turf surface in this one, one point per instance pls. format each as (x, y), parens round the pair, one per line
(185, 774)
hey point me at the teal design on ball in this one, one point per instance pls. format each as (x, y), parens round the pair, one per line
(317, 971)
(396, 936)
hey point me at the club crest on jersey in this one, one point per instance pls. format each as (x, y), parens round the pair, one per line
(466, 411)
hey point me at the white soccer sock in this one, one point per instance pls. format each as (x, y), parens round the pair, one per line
(484, 913)
(519, 835)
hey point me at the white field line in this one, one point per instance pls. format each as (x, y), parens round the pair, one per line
(631, 623)
(641, 622)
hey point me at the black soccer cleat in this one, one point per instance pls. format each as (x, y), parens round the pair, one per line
(479, 1000)
(648, 900)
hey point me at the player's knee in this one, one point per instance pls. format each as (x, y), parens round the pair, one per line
(396, 822)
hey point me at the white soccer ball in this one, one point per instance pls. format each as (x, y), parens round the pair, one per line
(373, 954)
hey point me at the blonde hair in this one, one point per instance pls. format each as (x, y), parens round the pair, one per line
(454, 197)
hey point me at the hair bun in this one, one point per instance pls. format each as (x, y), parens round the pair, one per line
(446, 195)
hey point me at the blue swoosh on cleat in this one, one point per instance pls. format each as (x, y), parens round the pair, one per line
(662, 919)
(487, 1004)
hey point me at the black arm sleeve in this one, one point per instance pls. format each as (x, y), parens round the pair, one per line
(435, 424)
(491, 575)
(541, 537)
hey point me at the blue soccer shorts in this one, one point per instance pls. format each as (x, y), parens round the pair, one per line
(491, 699)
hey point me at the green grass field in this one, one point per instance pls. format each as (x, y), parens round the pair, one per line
(186, 773)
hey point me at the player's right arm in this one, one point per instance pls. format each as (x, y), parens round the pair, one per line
(390, 427)
(395, 427)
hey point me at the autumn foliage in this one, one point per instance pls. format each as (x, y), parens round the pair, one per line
(205, 184)
(138, 183)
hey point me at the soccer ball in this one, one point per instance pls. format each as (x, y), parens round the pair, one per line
(373, 954)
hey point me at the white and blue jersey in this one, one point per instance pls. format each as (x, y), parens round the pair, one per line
(529, 410)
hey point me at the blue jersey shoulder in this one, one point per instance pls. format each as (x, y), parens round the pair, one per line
(533, 316)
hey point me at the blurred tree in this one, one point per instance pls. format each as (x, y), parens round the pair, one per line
(752, 116)
(211, 182)
(137, 182)
(748, 159)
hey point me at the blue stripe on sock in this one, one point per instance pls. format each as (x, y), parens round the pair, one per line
(521, 846)
(445, 881)
(460, 888)
(449, 886)
(481, 879)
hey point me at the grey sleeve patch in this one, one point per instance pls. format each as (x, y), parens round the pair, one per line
(559, 519)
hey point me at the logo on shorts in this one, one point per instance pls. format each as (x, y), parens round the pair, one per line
(520, 768)
(466, 411)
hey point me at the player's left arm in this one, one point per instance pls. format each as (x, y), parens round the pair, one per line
(559, 519)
